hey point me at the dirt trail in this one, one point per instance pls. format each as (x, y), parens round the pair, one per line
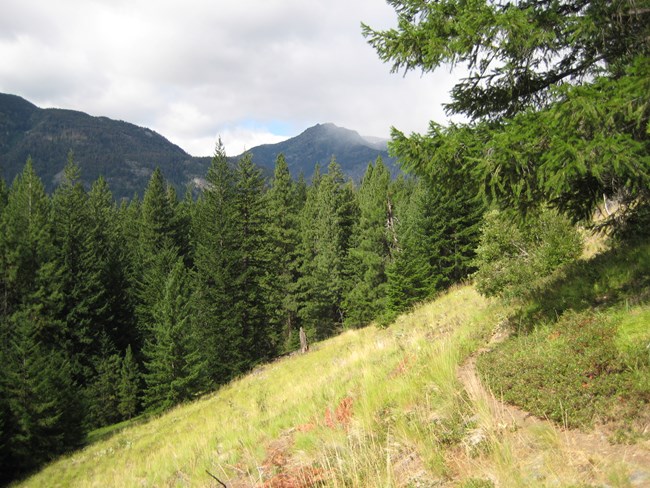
(542, 452)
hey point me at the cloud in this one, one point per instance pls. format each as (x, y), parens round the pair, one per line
(197, 69)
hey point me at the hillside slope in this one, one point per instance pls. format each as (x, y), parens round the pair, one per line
(371, 407)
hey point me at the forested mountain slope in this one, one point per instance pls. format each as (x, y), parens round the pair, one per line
(123, 153)
(126, 155)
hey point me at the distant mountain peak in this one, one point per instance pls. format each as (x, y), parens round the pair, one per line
(318, 145)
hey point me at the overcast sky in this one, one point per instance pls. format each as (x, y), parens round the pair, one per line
(250, 71)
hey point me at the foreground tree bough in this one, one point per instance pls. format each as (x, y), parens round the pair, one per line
(556, 97)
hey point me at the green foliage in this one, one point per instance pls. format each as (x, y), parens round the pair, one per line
(326, 224)
(25, 238)
(409, 272)
(45, 417)
(106, 258)
(370, 249)
(515, 52)
(174, 367)
(215, 237)
(580, 354)
(82, 303)
(230, 246)
(590, 145)
(156, 228)
(436, 231)
(128, 389)
(249, 265)
(555, 93)
(514, 258)
(283, 203)
(102, 393)
(619, 275)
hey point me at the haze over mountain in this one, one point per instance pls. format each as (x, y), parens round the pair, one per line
(126, 154)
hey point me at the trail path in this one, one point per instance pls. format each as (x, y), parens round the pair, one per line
(536, 452)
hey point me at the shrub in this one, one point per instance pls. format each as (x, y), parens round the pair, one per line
(514, 258)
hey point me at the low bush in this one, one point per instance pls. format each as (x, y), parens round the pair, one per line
(514, 258)
(573, 371)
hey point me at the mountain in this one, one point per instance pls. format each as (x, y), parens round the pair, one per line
(123, 153)
(126, 154)
(318, 144)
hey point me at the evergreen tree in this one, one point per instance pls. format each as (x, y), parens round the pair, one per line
(102, 396)
(216, 240)
(326, 227)
(249, 264)
(555, 94)
(129, 386)
(371, 248)
(174, 369)
(25, 241)
(107, 258)
(282, 238)
(409, 271)
(454, 231)
(127, 227)
(182, 224)
(83, 306)
(157, 218)
(44, 413)
(437, 231)
(156, 253)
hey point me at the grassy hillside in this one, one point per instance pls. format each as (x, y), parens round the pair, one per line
(400, 406)
(359, 408)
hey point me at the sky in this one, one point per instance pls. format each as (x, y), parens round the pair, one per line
(248, 71)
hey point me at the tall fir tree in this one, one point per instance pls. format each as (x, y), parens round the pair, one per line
(409, 271)
(326, 227)
(84, 305)
(370, 249)
(437, 230)
(282, 238)
(215, 236)
(25, 241)
(156, 252)
(108, 256)
(250, 264)
(174, 367)
(454, 231)
(44, 415)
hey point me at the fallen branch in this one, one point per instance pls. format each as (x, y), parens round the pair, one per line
(218, 480)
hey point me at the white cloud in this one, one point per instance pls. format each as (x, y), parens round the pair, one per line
(196, 69)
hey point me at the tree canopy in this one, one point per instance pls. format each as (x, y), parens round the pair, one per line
(555, 98)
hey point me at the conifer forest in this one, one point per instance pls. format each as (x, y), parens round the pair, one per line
(113, 309)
